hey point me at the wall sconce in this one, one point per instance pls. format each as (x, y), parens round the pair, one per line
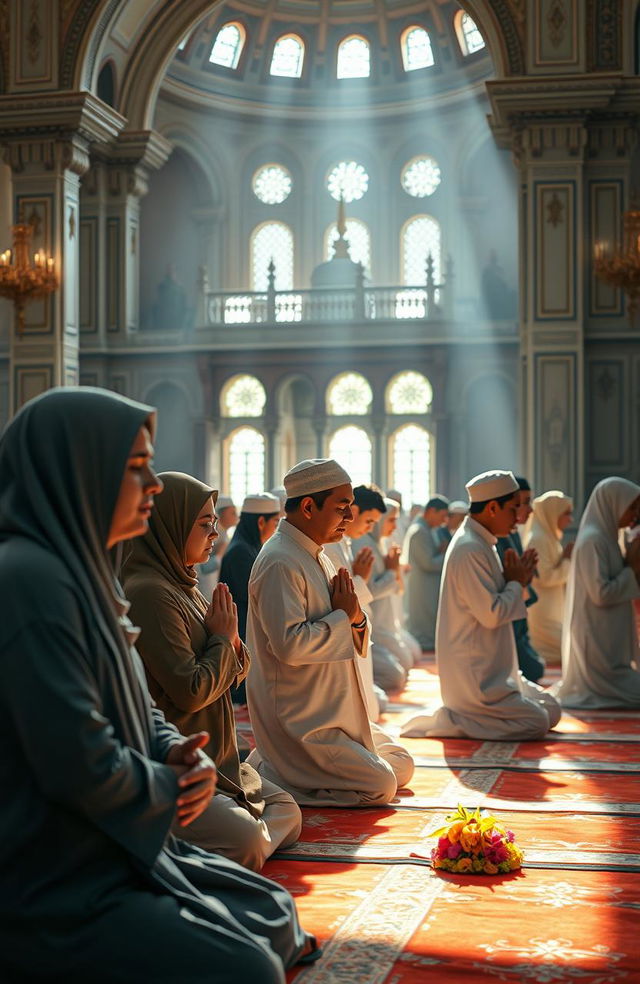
(621, 267)
(21, 280)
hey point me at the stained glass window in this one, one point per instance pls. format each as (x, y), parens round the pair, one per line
(354, 60)
(272, 241)
(409, 392)
(272, 184)
(349, 393)
(420, 237)
(468, 35)
(227, 46)
(411, 464)
(245, 463)
(416, 49)
(351, 447)
(288, 57)
(358, 237)
(243, 396)
(349, 180)
(421, 176)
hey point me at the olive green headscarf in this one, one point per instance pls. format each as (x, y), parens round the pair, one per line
(162, 547)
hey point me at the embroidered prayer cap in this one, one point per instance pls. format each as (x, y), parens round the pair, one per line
(224, 502)
(261, 505)
(314, 475)
(491, 485)
(458, 508)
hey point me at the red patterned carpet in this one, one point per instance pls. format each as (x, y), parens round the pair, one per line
(363, 883)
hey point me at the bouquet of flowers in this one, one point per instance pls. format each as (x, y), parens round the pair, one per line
(473, 844)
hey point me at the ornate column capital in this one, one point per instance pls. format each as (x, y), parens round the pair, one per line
(130, 158)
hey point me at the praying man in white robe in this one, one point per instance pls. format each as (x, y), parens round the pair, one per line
(484, 694)
(599, 636)
(306, 630)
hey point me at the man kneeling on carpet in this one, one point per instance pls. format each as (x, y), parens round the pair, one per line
(483, 691)
(307, 631)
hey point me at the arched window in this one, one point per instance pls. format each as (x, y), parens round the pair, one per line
(243, 396)
(351, 447)
(416, 49)
(288, 57)
(245, 463)
(420, 237)
(469, 37)
(411, 453)
(409, 392)
(354, 58)
(421, 176)
(347, 180)
(271, 184)
(272, 241)
(228, 46)
(349, 393)
(359, 239)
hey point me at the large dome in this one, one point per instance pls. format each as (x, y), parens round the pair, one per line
(317, 57)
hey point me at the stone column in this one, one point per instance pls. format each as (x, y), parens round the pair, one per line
(47, 160)
(562, 196)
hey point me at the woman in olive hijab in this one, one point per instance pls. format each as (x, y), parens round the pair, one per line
(92, 885)
(193, 657)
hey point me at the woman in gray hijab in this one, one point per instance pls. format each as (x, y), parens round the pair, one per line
(92, 885)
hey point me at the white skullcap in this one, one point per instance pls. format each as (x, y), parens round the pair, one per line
(314, 475)
(261, 505)
(281, 493)
(223, 502)
(458, 507)
(491, 485)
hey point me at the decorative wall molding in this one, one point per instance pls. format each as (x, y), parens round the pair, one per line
(604, 35)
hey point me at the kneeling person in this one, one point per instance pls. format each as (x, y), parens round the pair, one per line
(306, 630)
(483, 691)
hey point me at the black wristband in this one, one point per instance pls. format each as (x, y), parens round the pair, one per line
(359, 625)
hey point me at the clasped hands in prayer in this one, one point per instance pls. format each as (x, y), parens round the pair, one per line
(363, 563)
(222, 616)
(344, 597)
(196, 776)
(518, 568)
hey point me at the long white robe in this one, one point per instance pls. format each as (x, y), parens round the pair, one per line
(384, 587)
(600, 639)
(306, 699)
(422, 551)
(484, 693)
(552, 572)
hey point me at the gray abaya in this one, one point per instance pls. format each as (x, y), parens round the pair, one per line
(92, 885)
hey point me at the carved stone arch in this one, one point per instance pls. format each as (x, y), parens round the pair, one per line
(502, 24)
(208, 169)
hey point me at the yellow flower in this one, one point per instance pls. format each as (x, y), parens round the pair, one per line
(464, 864)
(453, 832)
(471, 838)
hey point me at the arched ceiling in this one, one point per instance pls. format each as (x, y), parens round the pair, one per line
(322, 24)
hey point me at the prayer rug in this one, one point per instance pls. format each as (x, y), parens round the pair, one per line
(363, 882)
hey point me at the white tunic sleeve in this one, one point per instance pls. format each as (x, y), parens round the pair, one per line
(477, 585)
(603, 587)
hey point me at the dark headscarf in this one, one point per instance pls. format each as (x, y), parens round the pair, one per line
(162, 547)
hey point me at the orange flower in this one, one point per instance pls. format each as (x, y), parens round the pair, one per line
(453, 832)
(464, 864)
(471, 838)
(489, 868)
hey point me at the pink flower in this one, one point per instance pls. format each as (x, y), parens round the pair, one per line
(510, 836)
(443, 845)
(454, 850)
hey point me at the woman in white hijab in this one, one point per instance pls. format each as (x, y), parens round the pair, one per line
(600, 639)
(552, 514)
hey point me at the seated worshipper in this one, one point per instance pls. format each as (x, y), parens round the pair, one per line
(367, 508)
(193, 656)
(306, 630)
(402, 520)
(92, 778)
(529, 661)
(599, 637)
(455, 516)
(392, 658)
(552, 514)
(424, 548)
(484, 694)
(258, 520)
(209, 572)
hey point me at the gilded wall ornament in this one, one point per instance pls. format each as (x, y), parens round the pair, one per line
(72, 222)
(556, 22)
(555, 210)
(34, 33)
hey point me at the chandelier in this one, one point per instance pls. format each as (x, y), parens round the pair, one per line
(621, 268)
(20, 279)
